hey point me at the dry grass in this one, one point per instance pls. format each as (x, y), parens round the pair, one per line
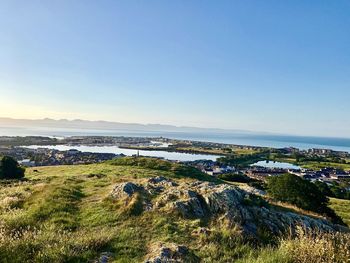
(311, 247)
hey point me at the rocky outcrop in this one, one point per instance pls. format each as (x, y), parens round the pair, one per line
(239, 207)
(167, 253)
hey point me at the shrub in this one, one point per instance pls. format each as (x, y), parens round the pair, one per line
(232, 177)
(334, 190)
(144, 162)
(258, 185)
(324, 188)
(10, 169)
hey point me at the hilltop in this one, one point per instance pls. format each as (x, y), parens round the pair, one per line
(150, 210)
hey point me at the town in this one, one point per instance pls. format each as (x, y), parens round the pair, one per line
(312, 164)
(47, 157)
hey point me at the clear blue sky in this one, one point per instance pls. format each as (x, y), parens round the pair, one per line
(276, 66)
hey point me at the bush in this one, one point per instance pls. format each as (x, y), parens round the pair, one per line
(302, 193)
(232, 177)
(258, 185)
(10, 169)
(324, 188)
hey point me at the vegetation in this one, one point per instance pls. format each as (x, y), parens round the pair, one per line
(306, 247)
(10, 169)
(64, 214)
(235, 177)
(302, 193)
(179, 170)
(334, 190)
(28, 140)
(342, 208)
(244, 160)
(195, 149)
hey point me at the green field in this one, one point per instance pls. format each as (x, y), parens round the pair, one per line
(342, 208)
(65, 214)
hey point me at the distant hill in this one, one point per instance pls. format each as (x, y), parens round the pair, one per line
(107, 125)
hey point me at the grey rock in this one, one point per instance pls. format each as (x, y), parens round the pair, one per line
(125, 190)
(167, 253)
(202, 199)
(104, 257)
(220, 201)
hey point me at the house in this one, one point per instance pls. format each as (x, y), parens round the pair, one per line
(27, 162)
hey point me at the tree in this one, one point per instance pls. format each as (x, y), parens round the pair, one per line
(324, 188)
(301, 193)
(10, 169)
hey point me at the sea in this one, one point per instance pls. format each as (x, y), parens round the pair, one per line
(239, 138)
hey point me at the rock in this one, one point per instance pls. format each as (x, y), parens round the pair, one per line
(158, 184)
(238, 207)
(125, 190)
(192, 206)
(202, 231)
(160, 180)
(104, 257)
(203, 199)
(167, 253)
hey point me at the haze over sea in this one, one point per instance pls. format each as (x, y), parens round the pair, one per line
(241, 138)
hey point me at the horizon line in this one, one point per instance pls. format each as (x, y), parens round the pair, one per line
(174, 126)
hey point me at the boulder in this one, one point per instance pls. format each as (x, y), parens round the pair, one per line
(167, 253)
(156, 185)
(160, 180)
(104, 258)
(125, 190)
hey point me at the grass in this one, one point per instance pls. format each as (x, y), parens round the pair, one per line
(342, 208)
(65, 214)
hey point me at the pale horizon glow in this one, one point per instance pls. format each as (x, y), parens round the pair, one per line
(266, 66)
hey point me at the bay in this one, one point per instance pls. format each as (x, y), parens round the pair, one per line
(239, 138)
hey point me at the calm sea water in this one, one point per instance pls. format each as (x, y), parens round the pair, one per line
(276, 165)
(276, 141)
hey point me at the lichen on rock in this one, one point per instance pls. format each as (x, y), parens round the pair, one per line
(205, 200)
(167, 253)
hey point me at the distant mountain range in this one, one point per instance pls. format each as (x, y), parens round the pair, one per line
(107, 125)
(63, 127)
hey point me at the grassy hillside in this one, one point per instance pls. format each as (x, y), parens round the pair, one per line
(342, 208)
(65, 214)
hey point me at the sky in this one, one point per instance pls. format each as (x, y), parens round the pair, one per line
(273, 66)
